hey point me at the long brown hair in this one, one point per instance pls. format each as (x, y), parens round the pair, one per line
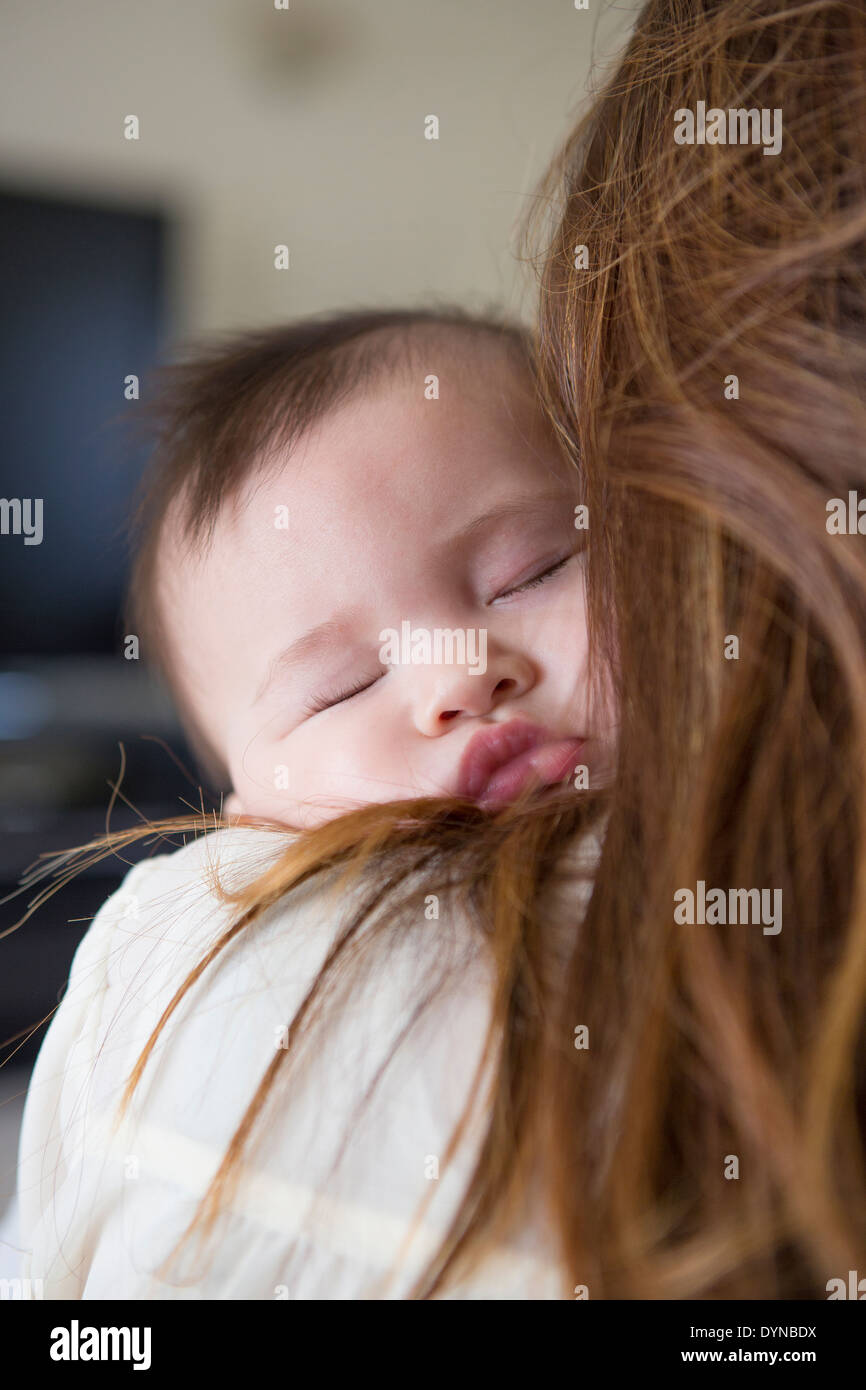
(704, 360)
(708, 1043)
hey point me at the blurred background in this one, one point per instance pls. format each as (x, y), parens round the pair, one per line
(257, 127)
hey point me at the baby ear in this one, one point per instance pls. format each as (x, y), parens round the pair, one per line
(232, 806)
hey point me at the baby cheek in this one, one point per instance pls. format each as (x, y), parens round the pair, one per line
(254, 763)
(560, 631)
(272, 770)
(331, 754)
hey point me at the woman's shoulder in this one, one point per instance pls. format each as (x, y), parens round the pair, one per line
(406, 1034)
(218, 1043)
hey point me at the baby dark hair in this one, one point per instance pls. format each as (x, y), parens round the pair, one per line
(219, 411)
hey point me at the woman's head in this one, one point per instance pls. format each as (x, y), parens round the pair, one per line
(703, 355)
(382, 480)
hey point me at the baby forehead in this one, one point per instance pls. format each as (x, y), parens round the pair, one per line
(398, 437)
(406, 439)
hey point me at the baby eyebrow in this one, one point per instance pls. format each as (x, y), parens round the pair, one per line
(302, 650)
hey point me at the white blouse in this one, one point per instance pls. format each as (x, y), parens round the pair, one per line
(101, 1208)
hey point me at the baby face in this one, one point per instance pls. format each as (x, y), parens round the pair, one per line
(305, 638)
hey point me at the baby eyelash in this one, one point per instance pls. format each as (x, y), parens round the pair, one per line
(320, 702)
(540, 578)
(547, 574)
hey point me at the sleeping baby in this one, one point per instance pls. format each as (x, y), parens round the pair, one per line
(360, 568)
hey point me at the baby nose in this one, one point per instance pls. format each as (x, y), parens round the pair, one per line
(460, 692)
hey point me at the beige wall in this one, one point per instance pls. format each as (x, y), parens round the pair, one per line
(306, 127)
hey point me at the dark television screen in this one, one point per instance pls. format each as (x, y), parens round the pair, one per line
(81, 290)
